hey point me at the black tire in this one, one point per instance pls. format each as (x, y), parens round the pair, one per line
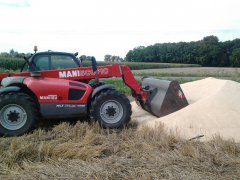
(111, 109)
(18, 114)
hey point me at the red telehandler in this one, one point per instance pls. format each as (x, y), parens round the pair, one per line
(56, 85)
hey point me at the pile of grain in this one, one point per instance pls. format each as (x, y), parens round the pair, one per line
(214, 109)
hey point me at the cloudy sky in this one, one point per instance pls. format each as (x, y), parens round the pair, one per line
(99, 27)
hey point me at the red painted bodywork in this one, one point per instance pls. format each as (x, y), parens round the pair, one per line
(51, 81)
(43, 87)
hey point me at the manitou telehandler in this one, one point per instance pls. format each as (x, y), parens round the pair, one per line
(56, 85)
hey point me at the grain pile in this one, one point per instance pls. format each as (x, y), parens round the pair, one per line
(214, 109)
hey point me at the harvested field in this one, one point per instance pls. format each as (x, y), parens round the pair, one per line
(83, 151)
(79, 150)
(193, 71)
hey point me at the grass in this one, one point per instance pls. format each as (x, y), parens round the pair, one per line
(179, 75)
(85, 151)
(11, 63)
(189, 74)
(119, 84)
(142, 65)
(2, 70)
(17, 63)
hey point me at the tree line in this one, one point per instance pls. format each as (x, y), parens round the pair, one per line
(207, 52)
(112, 58)
(13, 54)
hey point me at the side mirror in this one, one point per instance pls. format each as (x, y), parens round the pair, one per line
(94, 64)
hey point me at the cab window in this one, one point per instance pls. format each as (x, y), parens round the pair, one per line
(41, 63)
(62, 62)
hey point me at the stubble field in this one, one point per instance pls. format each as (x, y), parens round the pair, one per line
(81, 150)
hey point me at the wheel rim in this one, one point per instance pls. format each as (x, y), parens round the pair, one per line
(13, 117)
(111, 111)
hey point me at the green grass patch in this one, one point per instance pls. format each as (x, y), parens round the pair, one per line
(139, 65)
(119, 84)
(180, 74)
(5, 70)
(11, 63)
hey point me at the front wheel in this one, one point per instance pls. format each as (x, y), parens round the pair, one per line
(111, 109)
(18, 114)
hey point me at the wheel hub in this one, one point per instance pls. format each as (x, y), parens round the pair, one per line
(111, 111)
(13, 116)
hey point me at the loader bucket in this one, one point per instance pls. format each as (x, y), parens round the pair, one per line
(165, 96)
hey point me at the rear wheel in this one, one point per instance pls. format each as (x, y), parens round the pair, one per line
(111, 109)
(18, 114)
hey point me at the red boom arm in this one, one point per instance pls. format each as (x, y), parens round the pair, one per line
(86, 73)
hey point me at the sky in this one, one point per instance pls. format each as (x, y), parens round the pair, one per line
(100, 27)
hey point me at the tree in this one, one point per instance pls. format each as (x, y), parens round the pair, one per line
(206, 52)
(11, 52)
(5, 54)
(211, 40)
(107, 58)
(235, 58)
(110, 58)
